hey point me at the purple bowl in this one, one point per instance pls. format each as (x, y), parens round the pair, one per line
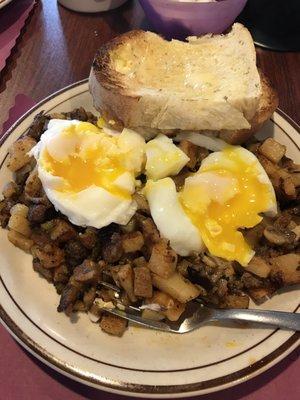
(175, 19)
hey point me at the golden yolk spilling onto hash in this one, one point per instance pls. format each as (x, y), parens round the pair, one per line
(97, 163)
(243, 196)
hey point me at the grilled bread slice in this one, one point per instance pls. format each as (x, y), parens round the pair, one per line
(207, 84)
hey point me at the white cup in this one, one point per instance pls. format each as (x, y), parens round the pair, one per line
(91, 5)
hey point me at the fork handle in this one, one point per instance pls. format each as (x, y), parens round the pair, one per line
(280, 319)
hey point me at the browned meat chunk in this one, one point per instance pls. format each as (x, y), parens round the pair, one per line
(37, 213)
(112, 250)
(62, 231)
(163, 259)
(142, 203)
(89, 238)
(75, 252)
(50, 255)
(39, 125)
(87, 272)
(89, 297)
(150, 232)
(125, 278)
(142, 282)
(61, 274)
(68, 298)
(113, 325)
(235, 301)
(192, 151)
(46, 273)
(132, 242)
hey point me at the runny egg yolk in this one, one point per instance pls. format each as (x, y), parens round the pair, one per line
(87, 166)
(219, 222)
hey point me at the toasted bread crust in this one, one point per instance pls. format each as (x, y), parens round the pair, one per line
(115, 101)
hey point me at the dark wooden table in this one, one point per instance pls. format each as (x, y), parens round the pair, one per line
(58, 45)
(55, 49)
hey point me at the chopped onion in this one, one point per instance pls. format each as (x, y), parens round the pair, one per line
(199, 139)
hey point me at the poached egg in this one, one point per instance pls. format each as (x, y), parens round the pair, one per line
(228, 192)
(87, 174)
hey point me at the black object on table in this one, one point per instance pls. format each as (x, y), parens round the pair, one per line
(274, 24)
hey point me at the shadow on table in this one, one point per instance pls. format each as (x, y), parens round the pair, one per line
(234, 393)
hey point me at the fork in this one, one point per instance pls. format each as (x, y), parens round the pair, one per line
(197, 314)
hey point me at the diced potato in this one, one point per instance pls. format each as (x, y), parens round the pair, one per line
(259, 267)
(125, 278)
(163, 260)
(33, 185)
(151, 314)
(273, 150)
(173, 309)
(18, 156)
(20, 241)
(164, 158)
(163, 299)
(286, 269)
(174, 313)
(113, 324)
(132, 242)
(142, 282)
(177, 287)
(289, 188)
(18, 221)
(139, 262)
(10, 190)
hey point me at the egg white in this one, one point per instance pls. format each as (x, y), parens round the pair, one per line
(93, 206)
(170, 218)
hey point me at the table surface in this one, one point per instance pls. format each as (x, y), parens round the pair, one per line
(56, 48)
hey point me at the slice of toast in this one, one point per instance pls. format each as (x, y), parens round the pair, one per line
(210, 83)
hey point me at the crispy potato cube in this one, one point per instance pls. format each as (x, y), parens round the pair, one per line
(18, 221)
(18, 156)
(259, 267)
(151, 314)
(142, 282)
(10, 189)
(273, 150)
(139, 262)
(132, 242)
(174, 313)
(173, 309)
(285, 269)
(18, 240)
(177, 287)
(161, 298)
(33, 185)
(125, 278)
(113, 324)
(289, 187)
(163, 260)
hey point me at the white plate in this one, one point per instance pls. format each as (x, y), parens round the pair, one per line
(143, 362)
(4, 3)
